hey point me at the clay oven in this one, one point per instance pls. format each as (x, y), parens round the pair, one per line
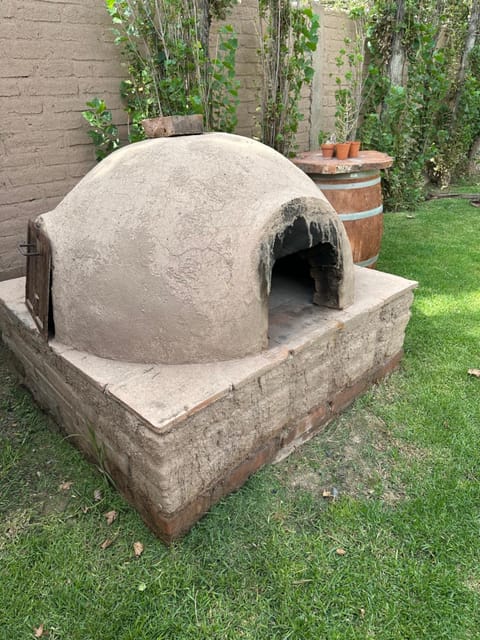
(164, 252)
(173, 343)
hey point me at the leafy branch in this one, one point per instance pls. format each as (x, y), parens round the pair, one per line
(165, 48)
(288, 37)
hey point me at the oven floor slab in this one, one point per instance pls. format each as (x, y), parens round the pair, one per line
(177, 438)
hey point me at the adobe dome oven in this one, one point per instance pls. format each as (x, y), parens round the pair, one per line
(164, 252)
(184, 349)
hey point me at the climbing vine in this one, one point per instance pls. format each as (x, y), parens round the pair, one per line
(288, 37)
(172, 67)
(421, 95)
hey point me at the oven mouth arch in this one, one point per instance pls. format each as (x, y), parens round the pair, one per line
(318, 243)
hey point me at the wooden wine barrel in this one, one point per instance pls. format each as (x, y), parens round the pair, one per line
(353, 187)
(357, 198)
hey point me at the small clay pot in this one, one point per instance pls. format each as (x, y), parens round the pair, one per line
(341, 150)
(327, 149)
(354, 149)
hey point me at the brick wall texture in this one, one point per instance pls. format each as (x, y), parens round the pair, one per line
(54, 56)
(334, 27)
(57, 54)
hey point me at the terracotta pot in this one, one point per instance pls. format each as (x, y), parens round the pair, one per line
(354, 149)
(327, 149)
(341, 150)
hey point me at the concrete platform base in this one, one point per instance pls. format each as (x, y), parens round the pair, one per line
(177, 438)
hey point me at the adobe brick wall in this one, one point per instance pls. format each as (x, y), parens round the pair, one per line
(318, 101)
(54, 56)
(57, 54)
(334, 27)
(175, 445)
(244, 18)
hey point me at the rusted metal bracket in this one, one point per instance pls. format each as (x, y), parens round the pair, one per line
(27, 249)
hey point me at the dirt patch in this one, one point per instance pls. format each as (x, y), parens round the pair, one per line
(18, 521)
(473, 584)
(356, 456)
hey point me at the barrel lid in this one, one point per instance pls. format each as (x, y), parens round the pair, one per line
(314, 162)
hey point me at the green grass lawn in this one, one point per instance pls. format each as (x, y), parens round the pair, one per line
(265, 563)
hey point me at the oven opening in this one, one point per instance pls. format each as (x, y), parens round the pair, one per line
(306, 269)
(300, 281)
(291, 281)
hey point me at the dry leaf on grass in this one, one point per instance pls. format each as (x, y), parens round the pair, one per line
(65, 486)
(137, 549)
(97, 495)
(340, 552)
(106, 543)
(474, 372)
(330, 495)
(111, 516)
(38, 631)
